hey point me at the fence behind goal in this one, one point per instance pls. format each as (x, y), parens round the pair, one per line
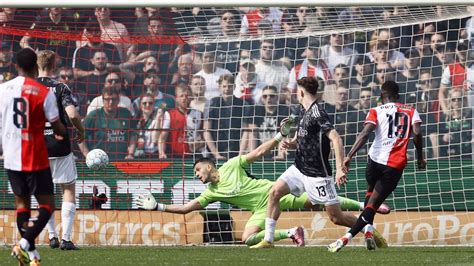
(152, 56)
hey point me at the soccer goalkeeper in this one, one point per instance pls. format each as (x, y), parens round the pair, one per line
(232, 184)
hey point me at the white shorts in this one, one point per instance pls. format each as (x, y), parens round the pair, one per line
(320, 190)
(63, 169)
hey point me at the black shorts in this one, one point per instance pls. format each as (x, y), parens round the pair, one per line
(381, 177)
(31, 183)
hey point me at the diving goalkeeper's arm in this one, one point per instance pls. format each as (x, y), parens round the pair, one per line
(148, 202)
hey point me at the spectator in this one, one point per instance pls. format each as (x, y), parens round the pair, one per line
(264, 28)
(364, 104)
(295, 19)
(211, 72)
(344, 116)
(184, 130)
(380, 52)
(421, 43)
(140, 28)
(311, 66)
(165, 54)
(223, 129)
(270, 71)
(12, 18)
(456, 128)
(251, 19)
(247, 85)
(437, 56)
(66, 76)
(266, 121)
(198, 89)
(113, 32)
(469, 27)
(407, 78)
(427, 97)
(52, 21)
(427, 105)
(91, 86)
(184, 70)
(457, 76)
(363, 76)
(150, 63)
(151, 85)
(383, 72)
(113, 80)
(340, 79)
(229, 24)
(7, 67)
(81, 62)
(195, 20)
(336, 53)
(228, 45)
(110, 128)
(150, 120)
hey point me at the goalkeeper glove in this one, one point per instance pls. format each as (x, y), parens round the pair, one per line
(148, 202)
(285, 127)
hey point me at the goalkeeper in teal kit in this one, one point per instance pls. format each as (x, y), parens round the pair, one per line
(231, 184)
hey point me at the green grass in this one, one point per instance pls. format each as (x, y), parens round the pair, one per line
(239, 255)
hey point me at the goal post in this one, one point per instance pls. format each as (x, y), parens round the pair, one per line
(150, 55)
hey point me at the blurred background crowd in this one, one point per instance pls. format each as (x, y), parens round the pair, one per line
(162, 83)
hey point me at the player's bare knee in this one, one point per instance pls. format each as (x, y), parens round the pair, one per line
(69, 193)
(337, 219)
(275, 194)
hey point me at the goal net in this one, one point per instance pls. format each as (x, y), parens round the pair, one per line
(161, 87)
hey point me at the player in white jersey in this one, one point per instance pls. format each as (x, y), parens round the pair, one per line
(25, 106)
(61, 159)
(393, 123)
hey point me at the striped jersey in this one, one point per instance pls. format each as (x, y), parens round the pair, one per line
(25, 106)
(393, 123)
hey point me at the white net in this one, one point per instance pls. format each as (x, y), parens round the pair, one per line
(257, 54)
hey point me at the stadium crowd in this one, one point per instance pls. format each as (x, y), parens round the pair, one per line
(145, 94)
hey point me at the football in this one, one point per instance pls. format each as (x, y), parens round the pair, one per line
(97, 159)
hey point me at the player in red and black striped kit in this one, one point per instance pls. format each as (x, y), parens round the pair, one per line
(393, 123)
(25, 106)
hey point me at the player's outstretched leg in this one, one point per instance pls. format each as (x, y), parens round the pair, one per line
(296, 234)
(279, 189)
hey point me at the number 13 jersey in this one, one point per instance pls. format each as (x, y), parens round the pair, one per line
(25, 105)
(393, 123)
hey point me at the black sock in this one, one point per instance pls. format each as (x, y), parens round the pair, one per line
(22, 219)
(367, 197)
(366, 217)
(44, 213)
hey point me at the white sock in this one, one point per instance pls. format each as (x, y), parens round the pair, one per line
(24, 244)
(269, 229)
(51, 227)
(68, 210)
(292, 231)
(34, 254)
(361, 206)
(348, 236)
(368, 228)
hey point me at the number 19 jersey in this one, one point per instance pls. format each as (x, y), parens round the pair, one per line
(25, 105)
(393, 123)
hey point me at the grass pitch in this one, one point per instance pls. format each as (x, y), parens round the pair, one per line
(239, 255)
